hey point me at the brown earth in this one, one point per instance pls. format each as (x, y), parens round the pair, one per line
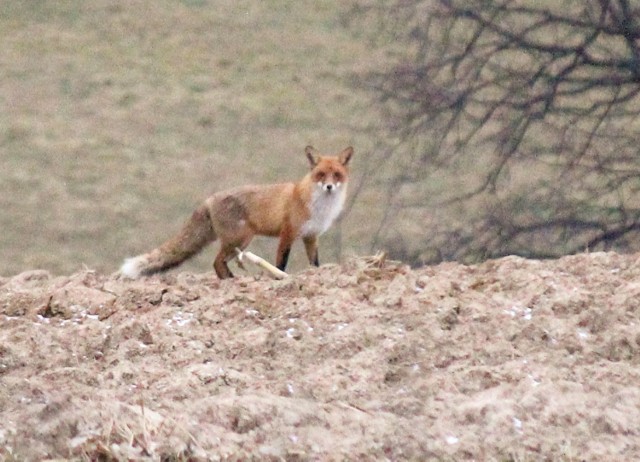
(512, 359)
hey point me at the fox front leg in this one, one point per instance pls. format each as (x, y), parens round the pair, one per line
(311, 246)
(284, 247)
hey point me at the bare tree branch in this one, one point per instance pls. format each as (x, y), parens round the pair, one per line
(526, 113)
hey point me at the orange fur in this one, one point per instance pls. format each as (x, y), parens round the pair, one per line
(288, 211)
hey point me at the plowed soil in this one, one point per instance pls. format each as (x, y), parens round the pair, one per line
(512, 359)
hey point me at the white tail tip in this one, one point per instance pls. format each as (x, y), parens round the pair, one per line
(132, 267)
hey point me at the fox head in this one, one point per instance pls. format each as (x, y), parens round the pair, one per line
(329, 173)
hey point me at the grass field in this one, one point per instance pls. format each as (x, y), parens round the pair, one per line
(118, 118)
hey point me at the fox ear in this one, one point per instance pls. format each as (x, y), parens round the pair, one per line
(345, 155)
(312, 155)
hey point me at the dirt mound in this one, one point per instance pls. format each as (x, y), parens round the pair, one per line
(512, 359)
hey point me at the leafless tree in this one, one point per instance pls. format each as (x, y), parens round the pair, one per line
(516, 126)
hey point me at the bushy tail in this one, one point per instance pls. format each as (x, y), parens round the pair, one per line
(196, 233)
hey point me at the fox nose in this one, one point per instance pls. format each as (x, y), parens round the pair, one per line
(329, 187)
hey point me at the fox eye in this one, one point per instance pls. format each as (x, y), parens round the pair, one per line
(320, 176)
(338, 176)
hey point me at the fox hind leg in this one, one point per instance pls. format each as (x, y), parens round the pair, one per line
(220, 265)
(228, 252)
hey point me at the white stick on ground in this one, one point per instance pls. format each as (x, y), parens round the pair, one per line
(261, 262)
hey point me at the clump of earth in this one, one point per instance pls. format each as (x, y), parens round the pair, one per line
(511, 359)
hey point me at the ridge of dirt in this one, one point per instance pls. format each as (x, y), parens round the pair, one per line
(512, 359)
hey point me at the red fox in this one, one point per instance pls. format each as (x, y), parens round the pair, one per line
(287, 210)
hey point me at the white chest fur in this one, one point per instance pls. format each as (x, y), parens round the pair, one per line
(325, 208)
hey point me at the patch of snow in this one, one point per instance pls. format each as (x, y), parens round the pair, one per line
(535, 382)
(517, 424)
(180, 319)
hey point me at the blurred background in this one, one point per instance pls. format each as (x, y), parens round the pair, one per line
(479, 131)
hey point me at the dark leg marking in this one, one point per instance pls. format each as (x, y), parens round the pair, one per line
(285, 259)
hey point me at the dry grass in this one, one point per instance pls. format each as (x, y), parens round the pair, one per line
(118, 119)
